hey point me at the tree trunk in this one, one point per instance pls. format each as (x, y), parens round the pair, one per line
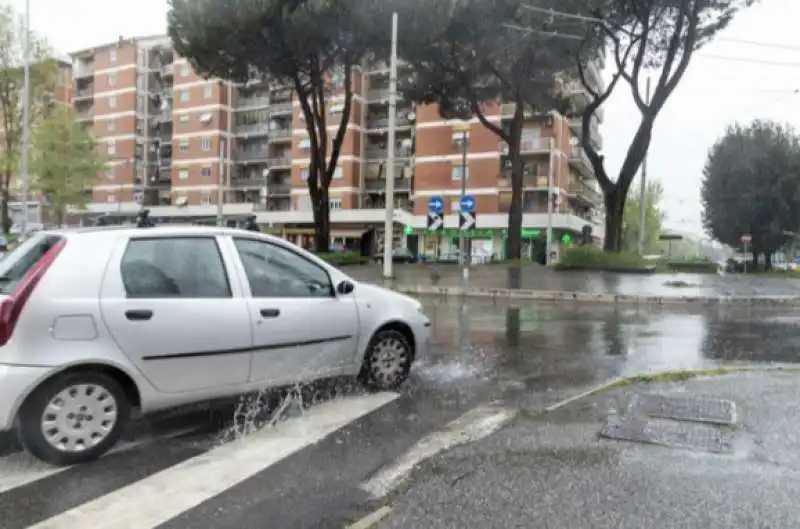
(514, 250)
(615, 209)
(322, 221)
(767, 261)
(5, 217)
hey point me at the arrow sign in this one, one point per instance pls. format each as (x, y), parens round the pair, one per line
(436, 204)
(466, 220)
(467, 203)
(435, 221)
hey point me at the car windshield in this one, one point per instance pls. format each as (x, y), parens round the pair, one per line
(16, 264)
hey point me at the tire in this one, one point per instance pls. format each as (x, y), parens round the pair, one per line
(388, 351)
(106, 407)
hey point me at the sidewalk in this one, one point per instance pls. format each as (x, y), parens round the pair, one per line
(542, 284)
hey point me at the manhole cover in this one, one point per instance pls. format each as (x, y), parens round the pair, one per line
(697, 409)
(674, 434)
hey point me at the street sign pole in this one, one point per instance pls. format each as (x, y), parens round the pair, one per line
(463, 128)
(746, 239)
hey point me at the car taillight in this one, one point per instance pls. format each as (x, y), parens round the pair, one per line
(12, 306)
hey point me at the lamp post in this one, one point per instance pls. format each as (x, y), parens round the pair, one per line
(26, 97)
(388, 223)
(461, 139)
(221, 184)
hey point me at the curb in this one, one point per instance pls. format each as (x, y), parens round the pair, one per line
(558, 296)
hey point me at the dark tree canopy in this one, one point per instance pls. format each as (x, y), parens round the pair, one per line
(310, 45)
(646, 38)
(471, 54)
(751, 185)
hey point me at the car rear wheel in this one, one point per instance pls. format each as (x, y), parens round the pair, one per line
(387, 361)
(73, 418)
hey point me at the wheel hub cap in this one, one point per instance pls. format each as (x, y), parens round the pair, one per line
(79, 417)
(388, 359)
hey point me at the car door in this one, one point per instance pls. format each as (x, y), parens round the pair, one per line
(170, 306)
(302, 330)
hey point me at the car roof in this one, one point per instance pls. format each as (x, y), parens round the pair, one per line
(157, 231)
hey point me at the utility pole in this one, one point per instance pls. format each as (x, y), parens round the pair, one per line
(26, 118)
(462, 239)
(388, 225)
(220, 189)
(643, 190)
(550, 175)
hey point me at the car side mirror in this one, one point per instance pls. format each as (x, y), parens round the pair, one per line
(345, 287)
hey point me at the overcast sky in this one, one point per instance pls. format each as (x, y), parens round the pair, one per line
(713, 94)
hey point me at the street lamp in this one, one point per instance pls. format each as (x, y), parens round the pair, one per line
(461, 139)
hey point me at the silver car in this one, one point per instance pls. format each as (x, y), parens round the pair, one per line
(95, 322)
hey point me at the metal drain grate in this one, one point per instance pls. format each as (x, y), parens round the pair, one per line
(674, 434)
(695, 409)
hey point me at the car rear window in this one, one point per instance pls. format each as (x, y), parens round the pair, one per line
(16, 264)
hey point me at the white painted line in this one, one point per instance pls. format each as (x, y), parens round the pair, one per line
(371, 519)
(588, 393)
(19, 469)
(159, 498)
(474, 425)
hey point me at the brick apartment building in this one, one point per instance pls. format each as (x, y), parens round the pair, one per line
(166, 132)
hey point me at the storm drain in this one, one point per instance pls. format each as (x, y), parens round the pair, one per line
(674, 434)
(682, 408)
(693, 423)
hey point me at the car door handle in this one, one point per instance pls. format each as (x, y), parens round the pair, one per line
(139, 315)
(270, 313)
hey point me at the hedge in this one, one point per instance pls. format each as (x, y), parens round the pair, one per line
(343, 258)
(594, 258)
(693, 267)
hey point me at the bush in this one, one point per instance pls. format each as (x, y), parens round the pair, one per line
(699, 266)
(594, 258)
(343, 258)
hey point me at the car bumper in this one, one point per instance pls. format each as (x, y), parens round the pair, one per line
(16, 382)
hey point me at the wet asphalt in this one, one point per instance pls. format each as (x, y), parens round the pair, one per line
(542, 470)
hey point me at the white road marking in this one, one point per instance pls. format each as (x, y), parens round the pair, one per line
(474, 425)
(20, 468)
(159, 498)
(371, 519)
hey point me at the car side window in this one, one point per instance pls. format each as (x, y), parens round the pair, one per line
(174, 267)
(275, 272)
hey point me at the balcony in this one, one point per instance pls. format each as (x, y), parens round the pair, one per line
(279, 188)
(84, 93)
(378, 94)
(586, 192)
(530, 146)
(281, 107)
(383, 122)
(245, 103)
(82, 71)
(580, 162)
(163, 115)
(282, 162)
(251, 129)
(374, 185)
(168, 69)
(247, 182)
(84, 115)
(280, 134)
(254, 155)
(576, 124)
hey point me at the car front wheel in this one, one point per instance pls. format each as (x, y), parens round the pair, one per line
(73, 418)
(387, 361)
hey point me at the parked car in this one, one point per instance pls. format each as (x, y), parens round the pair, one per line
(399, 255)
(97, 321)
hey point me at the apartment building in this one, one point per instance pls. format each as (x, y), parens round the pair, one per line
(181, 145)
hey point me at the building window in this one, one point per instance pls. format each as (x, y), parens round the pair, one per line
(338, 174)
(457, 173)
(304, 174)
(110, 173)
(205, 143)
(184, 70)
(205, 172)
(111, 198)
(335, 203)
(112, 56)
(184, 145)
(112, 147)
(112, 102)
(184, 119)
(184, 95)
(112, 79)
(304, 145)
(208, 91)
(183, 174)
(112, 124)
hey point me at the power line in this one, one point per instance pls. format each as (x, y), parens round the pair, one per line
(750, 61)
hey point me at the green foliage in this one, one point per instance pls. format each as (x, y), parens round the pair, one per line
(309, 45)
(653, 218)
(647, 39)
(64, 161)
(751, 184)
(695, 266)
(343, 258)
(593, 258)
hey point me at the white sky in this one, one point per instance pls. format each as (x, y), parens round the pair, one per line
(713, 94)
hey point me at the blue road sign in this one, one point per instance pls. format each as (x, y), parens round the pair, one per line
(467, 203)
(436, 204)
